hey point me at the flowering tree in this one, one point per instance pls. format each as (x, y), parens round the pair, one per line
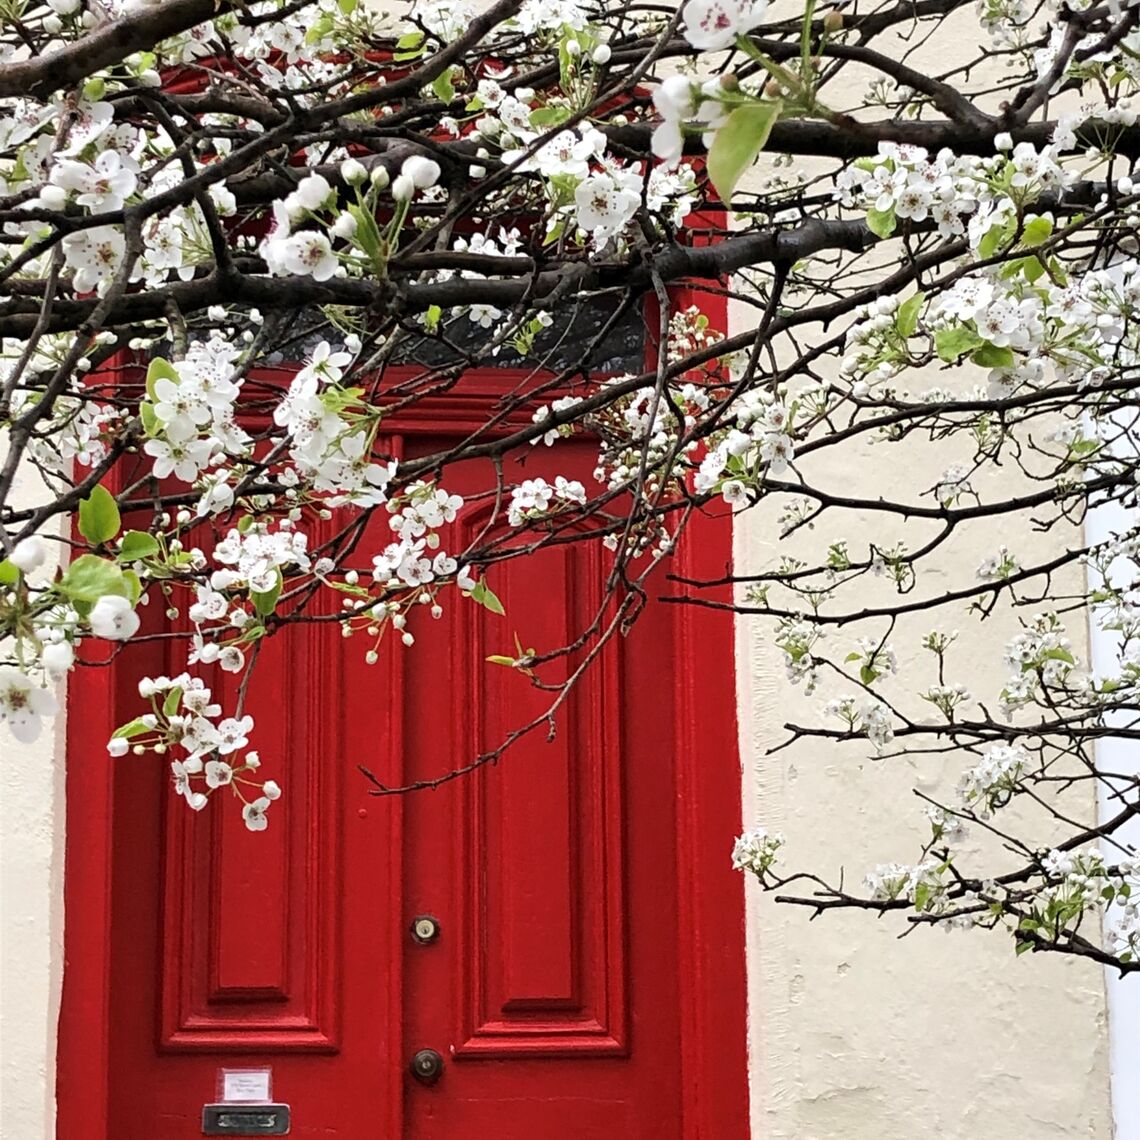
(937, 259)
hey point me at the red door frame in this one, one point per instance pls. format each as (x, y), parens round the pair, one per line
(712, 993)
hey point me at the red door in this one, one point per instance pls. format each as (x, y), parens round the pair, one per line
(584, 975)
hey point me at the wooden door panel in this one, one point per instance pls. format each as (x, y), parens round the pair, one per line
(563, 991)
(251, 954)
(551, 993)
(542, 910)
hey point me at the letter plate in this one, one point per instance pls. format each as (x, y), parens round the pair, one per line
(245, 1119)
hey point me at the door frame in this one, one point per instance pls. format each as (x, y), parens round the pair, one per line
(712, 992)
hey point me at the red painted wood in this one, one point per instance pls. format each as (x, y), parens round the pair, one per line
(589, 981)
(249, 927)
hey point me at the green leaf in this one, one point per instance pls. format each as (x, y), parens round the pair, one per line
(89, 577)
(740, 138)
(134, 586)
(1036, 231)
(992, 356)
(906, 319)
(170, 705)
(149, 419)
(955, 342)
(409, 46)
(135, 727)
(99, 519)
(988, 246)
(9, 575)
(431, 318)
(319, 29)
(159, 369)
(501, 659)
(443, 87)
(868, 675)
(542, 117)
(484, 596)
(881, 222)
(137, 544)
(266, 601)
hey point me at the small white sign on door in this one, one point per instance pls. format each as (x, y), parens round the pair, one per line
(246, 1086)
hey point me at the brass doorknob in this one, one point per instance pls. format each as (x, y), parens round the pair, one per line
(427, 1066)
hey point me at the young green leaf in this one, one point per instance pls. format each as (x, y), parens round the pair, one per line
(955, 342)
(484, 596)
(1036, 231)
(135, 727)
(159, 369)
(881, 222)
(137, 544)
(738, 142)
(149, 419)
(906, 319)
(993, 356)
(90, 577)
(99, 519)
(443, 87)
(133, 585)
(266, 601)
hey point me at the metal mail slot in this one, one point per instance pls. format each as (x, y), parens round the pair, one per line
(245, 1119)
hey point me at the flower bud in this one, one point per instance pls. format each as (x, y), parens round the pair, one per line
(353, 172)
(422, 171)
(403, 188)
(29, 554)
(344, 226)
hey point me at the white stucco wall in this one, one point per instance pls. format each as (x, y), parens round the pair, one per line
(854, 1033)
(31, 927)
(858, 1035)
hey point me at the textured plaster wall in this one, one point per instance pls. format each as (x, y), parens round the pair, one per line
(31, 929)
(854, 1033)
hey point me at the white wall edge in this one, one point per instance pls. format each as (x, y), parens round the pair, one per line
(1118, 756)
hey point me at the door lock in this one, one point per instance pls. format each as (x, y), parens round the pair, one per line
(425, 929)
(427, 1066)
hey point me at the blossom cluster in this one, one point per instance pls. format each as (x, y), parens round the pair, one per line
(756, 851)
